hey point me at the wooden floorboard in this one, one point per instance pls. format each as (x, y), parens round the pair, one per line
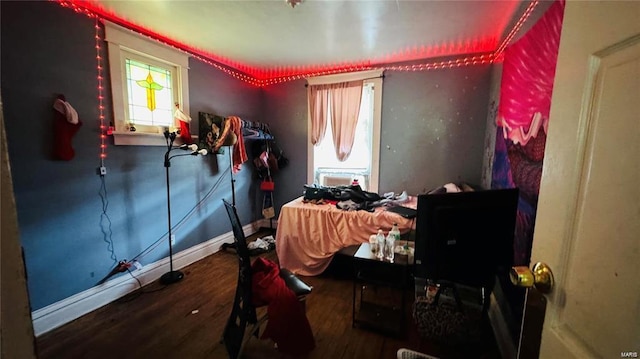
(161, 322)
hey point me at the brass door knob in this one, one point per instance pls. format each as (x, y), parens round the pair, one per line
(540, 277)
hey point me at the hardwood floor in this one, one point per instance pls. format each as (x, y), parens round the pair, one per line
(185, 320)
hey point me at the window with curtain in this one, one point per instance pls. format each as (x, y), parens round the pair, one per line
(325, 166)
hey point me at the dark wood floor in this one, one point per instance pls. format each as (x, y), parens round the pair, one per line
(161, 322)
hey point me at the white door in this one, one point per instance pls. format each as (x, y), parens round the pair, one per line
(588, 221)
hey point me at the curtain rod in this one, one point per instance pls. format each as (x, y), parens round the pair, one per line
(368, 78)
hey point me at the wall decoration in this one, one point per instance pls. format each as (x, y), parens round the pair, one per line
(523, 118)
(522, 123)
(65, 126)
(210, 130)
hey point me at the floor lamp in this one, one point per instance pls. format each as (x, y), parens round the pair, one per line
(174, 276)
(229, 141)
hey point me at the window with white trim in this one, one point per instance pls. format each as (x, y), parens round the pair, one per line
(148, 81)
(324, 168)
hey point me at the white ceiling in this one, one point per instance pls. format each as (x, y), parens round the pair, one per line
(270, 34)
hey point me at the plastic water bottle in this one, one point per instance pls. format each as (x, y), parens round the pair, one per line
(390, 244)
(380, 240)
(395, 234)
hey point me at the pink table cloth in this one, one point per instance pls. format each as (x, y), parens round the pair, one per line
(308, 235)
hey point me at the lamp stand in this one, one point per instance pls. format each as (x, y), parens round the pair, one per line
(233, 194)
(233, 181)
(171, 276)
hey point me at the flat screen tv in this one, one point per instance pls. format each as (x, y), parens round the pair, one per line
(465, 237)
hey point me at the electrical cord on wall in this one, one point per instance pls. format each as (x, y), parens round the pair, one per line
(107, 233)
(159, 240)
(184, 218)
(125, 265)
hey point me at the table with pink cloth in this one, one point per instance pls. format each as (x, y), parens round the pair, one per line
(308, 234)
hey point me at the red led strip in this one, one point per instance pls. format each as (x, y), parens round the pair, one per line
(461, 62)
(516, 27)
(103, 135)
(76, 8)
(260, 77)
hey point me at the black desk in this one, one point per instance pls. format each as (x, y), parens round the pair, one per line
(379, 288)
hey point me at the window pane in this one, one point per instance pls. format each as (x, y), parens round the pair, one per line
(137, 94)
(141, 114)
(162, 117)
(150, 94)
(138, 70)
(163, 100)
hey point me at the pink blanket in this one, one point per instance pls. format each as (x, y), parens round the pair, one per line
(309, 235)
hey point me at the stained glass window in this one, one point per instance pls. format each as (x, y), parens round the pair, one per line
(148, 80)
(150, 94)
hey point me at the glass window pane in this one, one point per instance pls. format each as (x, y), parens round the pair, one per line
(163, 100)
(156, 91)
(140, 115)
(162, 117)
(138, 95)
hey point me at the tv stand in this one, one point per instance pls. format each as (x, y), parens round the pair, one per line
(379, 292)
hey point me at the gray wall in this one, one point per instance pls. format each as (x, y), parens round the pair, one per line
(433, 126)
(286, 114)
(46, 50)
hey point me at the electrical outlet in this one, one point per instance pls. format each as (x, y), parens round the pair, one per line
(173, 239)
(137, 265)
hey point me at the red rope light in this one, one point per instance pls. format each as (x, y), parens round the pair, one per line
(261, 77)
(460, 62)
(100, 78)
(516, 27)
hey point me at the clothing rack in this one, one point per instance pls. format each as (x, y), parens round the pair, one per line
(256, 130)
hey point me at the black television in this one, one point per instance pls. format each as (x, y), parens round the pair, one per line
(465, 237)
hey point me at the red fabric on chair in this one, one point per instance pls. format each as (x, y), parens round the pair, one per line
(288, 325)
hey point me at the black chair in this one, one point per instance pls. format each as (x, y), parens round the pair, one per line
(243, 313)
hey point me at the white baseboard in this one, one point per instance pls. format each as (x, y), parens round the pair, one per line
(66, 310)
(501, 332)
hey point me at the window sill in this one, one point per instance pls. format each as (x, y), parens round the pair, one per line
(144, 139)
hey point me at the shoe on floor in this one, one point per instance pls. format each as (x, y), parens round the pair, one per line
(405, 353)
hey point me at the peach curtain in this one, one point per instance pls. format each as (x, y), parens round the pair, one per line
(318, 105)
(345, 107)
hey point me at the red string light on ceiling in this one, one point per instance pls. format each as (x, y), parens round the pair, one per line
(264, 77)
(516, 28)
